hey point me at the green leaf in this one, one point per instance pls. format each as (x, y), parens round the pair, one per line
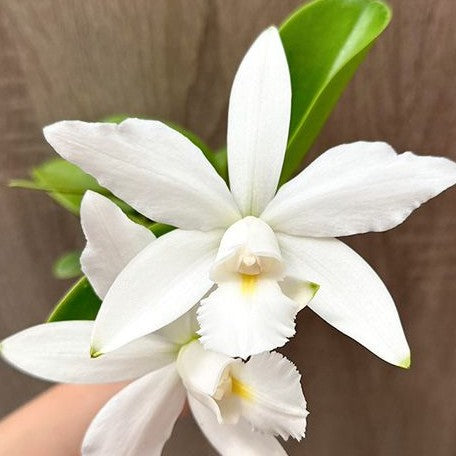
(65, 183)
(221, 162)
(68, 265)
(80, 303)
(325, 41)
(24, 183)
(159, 229)
(116, 118)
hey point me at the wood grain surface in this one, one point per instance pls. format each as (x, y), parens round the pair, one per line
(175, 59)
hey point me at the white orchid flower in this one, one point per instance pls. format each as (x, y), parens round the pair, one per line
(239, 406)
(256, 254)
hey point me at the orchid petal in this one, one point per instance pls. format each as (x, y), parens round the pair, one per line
(112, 241)
(159, 285)
(258, 122)
(227, 411)
(138, 420)
(270, 396)
(246, 316)
(60, 352)
(183, 330)
(300, 291)
(356, 188)
(233, 439)
(152, 167)
(202, 370)
(351, 297)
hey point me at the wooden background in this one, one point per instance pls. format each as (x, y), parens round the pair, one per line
(85, 59)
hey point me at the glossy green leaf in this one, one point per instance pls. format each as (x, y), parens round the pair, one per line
(221, 162)
(65, 183)
(80, 303)
(25, 183)
(68, 266)
(325, 41)
(159, 229)
(116, 118)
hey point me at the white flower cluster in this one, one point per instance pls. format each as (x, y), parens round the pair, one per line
(194, 314)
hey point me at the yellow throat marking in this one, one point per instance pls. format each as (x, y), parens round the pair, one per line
(248, 284)
(241, 389)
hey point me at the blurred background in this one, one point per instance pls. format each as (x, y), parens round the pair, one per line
(175, 60)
